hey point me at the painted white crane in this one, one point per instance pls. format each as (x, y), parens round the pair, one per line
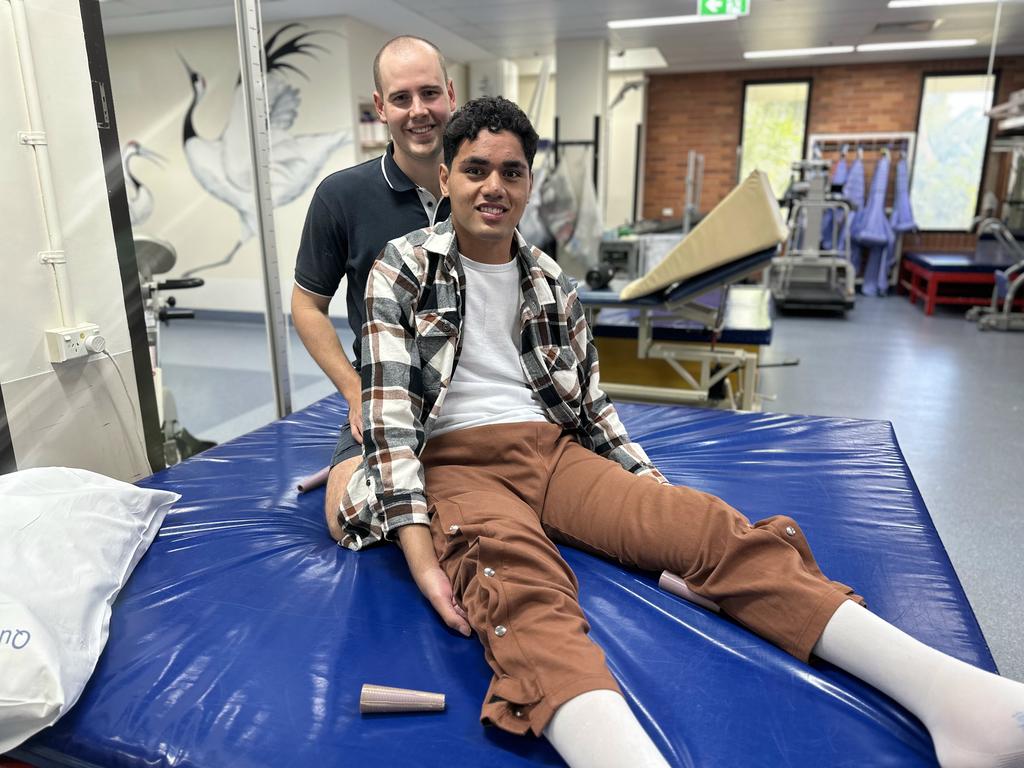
(140, 199)
(222, 165)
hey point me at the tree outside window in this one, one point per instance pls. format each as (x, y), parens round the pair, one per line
(774, 128)
(952, 132)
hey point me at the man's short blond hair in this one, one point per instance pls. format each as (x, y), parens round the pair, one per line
(405, 41)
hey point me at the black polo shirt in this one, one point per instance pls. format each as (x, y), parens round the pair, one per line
(353, 215)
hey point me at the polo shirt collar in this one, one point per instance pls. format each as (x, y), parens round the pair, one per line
(393, 175)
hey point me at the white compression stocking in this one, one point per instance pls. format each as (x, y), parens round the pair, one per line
(597, 729)
(975, 718)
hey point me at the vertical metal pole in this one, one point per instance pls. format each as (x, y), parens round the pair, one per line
(254, 94)
(691, 169)
(636, 171)
(992, 48)
(597, 149)
(699, 188)
(556, 141)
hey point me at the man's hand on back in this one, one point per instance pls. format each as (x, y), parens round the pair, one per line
(355, 413)
(309, 315)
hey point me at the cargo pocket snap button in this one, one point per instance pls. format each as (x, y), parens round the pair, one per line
(790, 530)
(500, 630)
(453, 529)
(488, 571)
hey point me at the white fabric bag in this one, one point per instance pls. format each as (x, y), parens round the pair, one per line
(69, 540)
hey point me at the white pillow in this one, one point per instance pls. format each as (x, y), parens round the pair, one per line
(69, 540)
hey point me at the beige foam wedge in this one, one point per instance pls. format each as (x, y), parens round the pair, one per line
(381, 698)
(670, 582)
(747, 221)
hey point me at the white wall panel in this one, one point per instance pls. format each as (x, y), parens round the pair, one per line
(78, 416)
(77, 413)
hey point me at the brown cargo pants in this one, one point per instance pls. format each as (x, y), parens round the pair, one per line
(502, 495)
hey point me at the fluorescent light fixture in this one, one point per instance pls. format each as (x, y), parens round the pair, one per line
(666, 21)
(915, 46)
(926, 3)
(786, 53)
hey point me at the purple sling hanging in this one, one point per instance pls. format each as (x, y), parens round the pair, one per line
(853, 191)
(838, 179)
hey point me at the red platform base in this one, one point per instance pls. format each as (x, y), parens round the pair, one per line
(919, 282)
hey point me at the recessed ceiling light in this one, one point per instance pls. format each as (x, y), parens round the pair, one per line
(786, 53)
(916, 45)
(666, 21)
(926, 3)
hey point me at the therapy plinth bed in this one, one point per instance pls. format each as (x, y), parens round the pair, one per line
(676, 345)
(925, 276)
(735, 240)
(245, 634)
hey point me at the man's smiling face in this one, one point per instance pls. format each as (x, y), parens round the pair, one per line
(414, 100)
(488, 184)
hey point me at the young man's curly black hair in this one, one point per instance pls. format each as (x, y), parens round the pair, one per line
(495, 114)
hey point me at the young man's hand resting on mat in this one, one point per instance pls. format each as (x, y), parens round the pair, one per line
(432, 581)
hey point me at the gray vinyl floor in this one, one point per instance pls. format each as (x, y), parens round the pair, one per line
(954, 395)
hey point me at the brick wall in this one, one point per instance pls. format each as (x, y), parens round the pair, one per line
(702, 111)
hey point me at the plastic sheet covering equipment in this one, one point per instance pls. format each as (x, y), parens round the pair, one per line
(245, 634)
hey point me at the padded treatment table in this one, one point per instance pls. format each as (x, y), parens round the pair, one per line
(244, 635)
(689, 339)
(745, 322)
(952, 278)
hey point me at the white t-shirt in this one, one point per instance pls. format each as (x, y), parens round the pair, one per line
(489, 385)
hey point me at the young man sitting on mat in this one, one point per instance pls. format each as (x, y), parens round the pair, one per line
(487, 440)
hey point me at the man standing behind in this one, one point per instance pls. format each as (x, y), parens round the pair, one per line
(355, 212)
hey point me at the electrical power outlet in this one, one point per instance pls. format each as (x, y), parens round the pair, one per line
(73, 341)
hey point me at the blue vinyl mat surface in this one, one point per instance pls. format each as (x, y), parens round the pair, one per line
(244, 635)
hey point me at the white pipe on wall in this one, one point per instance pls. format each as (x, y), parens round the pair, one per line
(35, 137)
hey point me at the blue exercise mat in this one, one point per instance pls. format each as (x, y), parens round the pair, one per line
(245, 634)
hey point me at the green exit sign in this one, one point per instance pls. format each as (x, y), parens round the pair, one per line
(723, 7)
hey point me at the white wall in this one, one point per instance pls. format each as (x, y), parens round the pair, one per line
(459, 74)
(545, 123)
(622, 122)
(494, 77)
(77, 414)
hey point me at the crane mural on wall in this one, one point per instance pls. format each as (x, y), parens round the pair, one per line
(222, 165)
(140, 198)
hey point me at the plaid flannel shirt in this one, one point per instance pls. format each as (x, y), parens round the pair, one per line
(415, 299)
